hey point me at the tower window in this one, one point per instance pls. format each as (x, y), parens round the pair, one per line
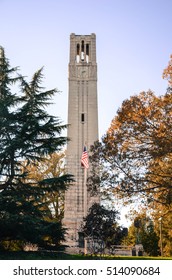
(87, 53)
(82, 46)
(82, 117)
(77, 49)
(77, 53)
(87, 49)
(82, 50)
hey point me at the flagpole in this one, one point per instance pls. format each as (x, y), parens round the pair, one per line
(85, 206)
(85, 192)
(84, 162)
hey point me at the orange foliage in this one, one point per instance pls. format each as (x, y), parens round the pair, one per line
(167, 73)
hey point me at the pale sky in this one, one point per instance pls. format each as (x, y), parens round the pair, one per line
(134, 44)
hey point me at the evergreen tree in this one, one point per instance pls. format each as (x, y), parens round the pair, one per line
(27, 134)
(101, 225)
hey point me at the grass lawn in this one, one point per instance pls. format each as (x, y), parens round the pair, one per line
(63, 256)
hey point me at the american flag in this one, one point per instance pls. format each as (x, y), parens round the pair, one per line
(84, 158)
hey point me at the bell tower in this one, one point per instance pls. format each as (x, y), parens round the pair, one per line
(82, 130)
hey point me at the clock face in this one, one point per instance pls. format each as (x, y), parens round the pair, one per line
(82, 72)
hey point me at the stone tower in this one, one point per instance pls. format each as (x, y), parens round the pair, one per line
(82, 130)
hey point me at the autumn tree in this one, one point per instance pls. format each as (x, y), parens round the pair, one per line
(167, 73)
(136, 151)
(28, 135)
(135, 156)
(52, 165)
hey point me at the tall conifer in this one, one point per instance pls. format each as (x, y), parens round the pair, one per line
(27, 134)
